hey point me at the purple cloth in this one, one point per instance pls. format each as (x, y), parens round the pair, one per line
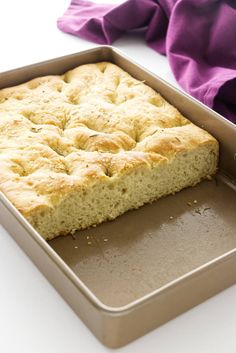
(198, 37)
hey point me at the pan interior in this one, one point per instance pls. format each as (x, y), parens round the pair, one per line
(144, 249)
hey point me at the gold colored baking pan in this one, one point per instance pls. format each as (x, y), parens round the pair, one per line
(127, 277)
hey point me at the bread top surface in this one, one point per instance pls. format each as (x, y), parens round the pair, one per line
(59, 134)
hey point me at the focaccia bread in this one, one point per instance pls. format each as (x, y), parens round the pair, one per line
(84, 147)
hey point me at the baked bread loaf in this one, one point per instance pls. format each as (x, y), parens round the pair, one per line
(84, 147)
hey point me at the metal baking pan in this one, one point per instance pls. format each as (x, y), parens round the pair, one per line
(127, 277)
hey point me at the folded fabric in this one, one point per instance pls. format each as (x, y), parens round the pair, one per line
(198, 37)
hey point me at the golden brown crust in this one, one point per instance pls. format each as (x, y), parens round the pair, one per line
(63, 133)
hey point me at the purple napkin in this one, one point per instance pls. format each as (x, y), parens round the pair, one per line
(198, 37)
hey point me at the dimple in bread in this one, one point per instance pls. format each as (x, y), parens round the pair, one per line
(85, 147)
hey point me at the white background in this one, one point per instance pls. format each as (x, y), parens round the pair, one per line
(33, 316)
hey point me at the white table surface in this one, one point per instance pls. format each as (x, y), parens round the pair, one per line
(33, 316)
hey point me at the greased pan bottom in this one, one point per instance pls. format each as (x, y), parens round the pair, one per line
(123, 260)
